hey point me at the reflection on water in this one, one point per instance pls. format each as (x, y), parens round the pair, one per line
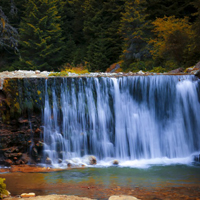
(72, 181)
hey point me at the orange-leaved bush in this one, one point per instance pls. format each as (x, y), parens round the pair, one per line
(172, 39)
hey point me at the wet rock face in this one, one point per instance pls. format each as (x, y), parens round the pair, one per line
(20, 143)
(197, 158)
(21, 103)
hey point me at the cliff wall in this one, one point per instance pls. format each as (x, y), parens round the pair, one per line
(21, 103)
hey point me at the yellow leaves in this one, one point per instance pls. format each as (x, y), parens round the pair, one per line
(172, 34)
(17, 106)
(3, 188)
(32, 26)
(42, 20)
(39, 92)
(29, 63)
(167, 25)
(79, 69)
(3, 23)
(27, 43)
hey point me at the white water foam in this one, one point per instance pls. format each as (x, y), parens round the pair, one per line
(140, 121)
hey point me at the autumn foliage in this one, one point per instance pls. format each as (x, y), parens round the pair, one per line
(145, 35)
(172, 39)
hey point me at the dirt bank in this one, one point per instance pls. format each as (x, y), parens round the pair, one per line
(31, 169)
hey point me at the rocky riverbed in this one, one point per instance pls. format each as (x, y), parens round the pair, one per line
(39, 74)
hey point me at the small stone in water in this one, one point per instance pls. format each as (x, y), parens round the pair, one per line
(48, 161)
(69, 164)
(26, 195)
(115, 162)
(123, 197)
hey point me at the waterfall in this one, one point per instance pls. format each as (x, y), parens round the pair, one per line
(124, 118)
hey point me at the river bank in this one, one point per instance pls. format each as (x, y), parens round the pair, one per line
(30, 169)
(155, 182)
(178, 193)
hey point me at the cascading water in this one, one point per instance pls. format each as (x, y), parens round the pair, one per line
(125, 118)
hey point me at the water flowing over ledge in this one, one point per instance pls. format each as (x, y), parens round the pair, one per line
(136, 120)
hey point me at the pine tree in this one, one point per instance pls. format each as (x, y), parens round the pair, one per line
(135, 31)
(178, 8)
(72, 26)
(8, 35)
(101, 23)
(112, 14)
(41, 36)
(97, 56)
(194, 55)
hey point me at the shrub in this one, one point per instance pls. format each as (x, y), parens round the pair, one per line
(3, 190)
(67, 68)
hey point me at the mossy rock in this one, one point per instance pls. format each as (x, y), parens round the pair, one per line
(22, 95)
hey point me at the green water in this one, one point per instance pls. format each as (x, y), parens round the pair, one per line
(63, 182)
(177, 175)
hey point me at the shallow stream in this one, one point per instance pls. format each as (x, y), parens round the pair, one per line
(99, 183)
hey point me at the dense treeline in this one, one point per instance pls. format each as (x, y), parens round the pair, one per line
(139, 34)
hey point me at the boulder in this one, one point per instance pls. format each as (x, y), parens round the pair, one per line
(115, 162)
(197, 158)
(8, 162)
(37, 72)
(197, 74)
(122, 197)
(189, 69)
(27, 195)
(69, 165)
(93, 160)
(197, 66)
(90, 160)
(140, 72)
(48, 161)
(176, 71)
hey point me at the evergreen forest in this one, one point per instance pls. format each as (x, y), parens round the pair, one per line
(148, 35)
